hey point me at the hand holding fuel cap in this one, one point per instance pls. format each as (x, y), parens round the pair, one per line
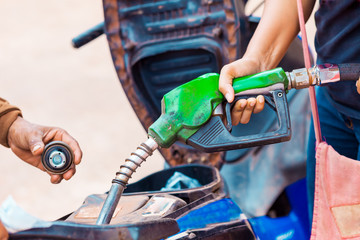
(28, 141)
(57, 157)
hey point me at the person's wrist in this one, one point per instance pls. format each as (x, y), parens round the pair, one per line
(265, 59)
(254, 62)
(13, 129)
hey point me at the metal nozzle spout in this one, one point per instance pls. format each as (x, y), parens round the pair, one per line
(122, 177)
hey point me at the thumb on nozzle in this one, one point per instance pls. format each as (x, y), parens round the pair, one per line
(229, 95)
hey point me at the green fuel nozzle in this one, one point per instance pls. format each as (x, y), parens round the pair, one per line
(194, 114)
(188, 115)
(188, 107)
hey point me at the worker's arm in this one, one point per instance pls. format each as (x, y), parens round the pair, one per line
(27, 140)
(8, 114)
(277, 28)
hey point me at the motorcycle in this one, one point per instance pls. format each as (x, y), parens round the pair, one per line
(256, 192)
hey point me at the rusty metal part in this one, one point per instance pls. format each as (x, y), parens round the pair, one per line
(122, 177)
(88, 36)
(178, 154)
(171, 21)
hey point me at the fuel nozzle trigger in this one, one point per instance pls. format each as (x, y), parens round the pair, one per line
(216, 136)
(229, 106)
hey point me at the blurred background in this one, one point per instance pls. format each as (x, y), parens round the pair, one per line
(75, 89)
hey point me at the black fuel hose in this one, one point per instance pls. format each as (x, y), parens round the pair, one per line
(349, 71)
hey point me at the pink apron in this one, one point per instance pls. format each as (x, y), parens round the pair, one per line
(336, 205)
(337, 179)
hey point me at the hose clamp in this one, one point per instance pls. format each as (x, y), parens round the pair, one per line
(327, 73)
(315, 75)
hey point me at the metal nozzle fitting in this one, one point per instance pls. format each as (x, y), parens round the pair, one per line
(299, 78)
(325, 73)
(317, 75)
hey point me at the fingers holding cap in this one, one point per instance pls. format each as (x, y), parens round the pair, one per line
(58, 134)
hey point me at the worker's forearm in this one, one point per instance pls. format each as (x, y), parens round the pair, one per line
(8, 115)
(277, 28)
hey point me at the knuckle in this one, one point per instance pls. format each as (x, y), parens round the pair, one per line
(62, 131)
(222, 87)
(245, 117)
(225, 69)
(237, 105)
(244, 121)
(235, 122)
(249, 107)
(243, 103)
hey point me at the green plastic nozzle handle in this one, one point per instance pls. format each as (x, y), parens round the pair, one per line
(188, 107)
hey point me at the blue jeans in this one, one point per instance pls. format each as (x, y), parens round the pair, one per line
(338, 130)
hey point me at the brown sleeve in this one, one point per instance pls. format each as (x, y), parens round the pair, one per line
(8, 115)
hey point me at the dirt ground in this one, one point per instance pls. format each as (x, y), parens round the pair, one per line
(77, 90)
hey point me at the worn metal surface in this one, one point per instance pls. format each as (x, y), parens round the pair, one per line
(134, 27)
